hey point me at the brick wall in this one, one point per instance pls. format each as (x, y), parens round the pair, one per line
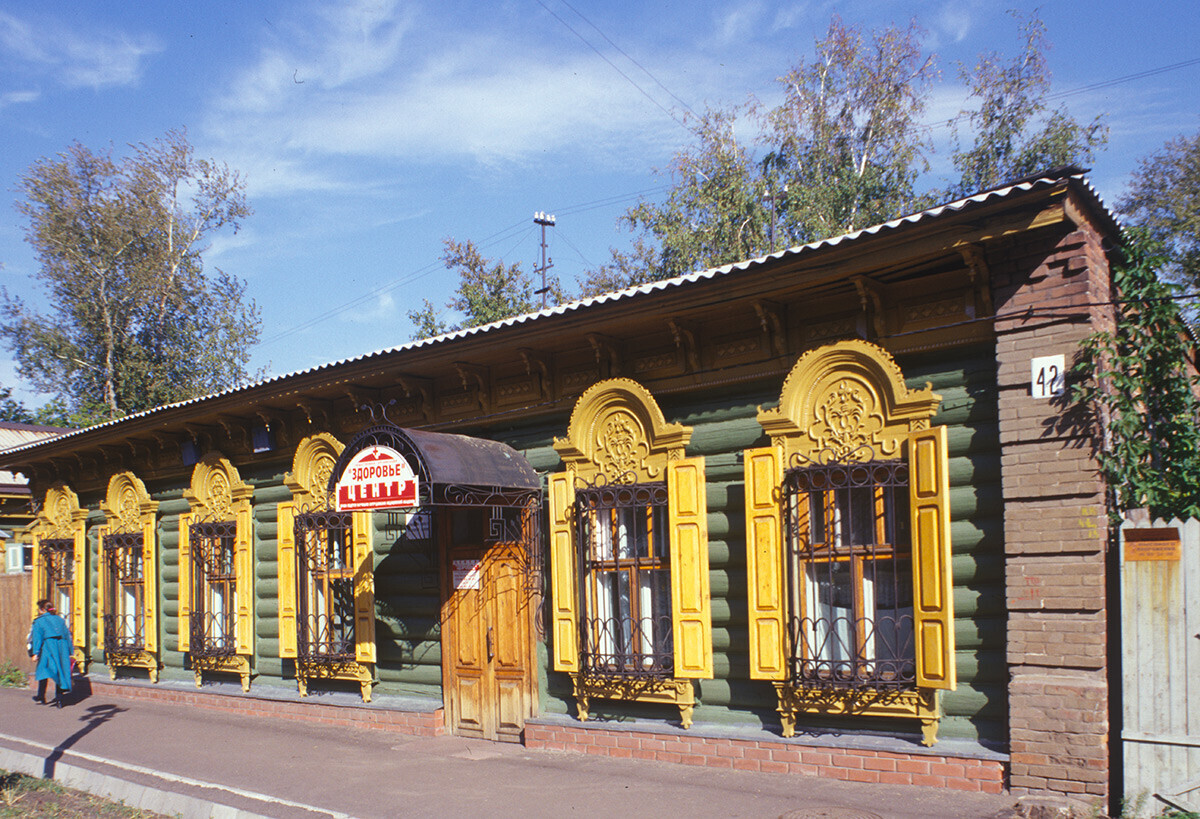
(1048, 297)
(846, 764)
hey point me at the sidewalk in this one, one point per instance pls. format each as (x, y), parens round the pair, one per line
(199, 763)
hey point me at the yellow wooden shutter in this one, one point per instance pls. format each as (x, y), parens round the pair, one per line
(185, 581)
(101, 585)
(286, 541)
(563, 578)
(933, 601)
(364, 588)
(38, 577)
(150, 583)
(691, 612)
(79, 586)
(764, 562)
(244, 591)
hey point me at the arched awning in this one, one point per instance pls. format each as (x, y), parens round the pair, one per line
(453, 470)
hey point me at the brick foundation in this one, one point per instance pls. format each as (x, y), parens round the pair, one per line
(846, 764)
(418, 723)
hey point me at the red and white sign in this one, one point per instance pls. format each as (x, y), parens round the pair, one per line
(379, 477)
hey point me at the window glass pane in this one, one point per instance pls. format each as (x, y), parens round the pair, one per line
(888, 585)
(816, 517)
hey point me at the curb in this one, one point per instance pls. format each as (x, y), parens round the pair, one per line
(147, 789)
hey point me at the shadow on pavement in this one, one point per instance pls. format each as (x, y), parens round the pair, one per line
(93, 718)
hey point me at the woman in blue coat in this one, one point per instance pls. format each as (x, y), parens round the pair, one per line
(50, 643)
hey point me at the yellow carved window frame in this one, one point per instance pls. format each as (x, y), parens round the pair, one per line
(848, 402)
(218, 494)
(618, 435)
(62, 519)
(129, 510)
(308, 481)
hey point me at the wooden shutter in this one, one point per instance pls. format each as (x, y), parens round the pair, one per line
(243, 557)
(150, 584)
(285, 540)
(691, 606)
(364, 588)
(185, 581)
(102, 580)
(764, 563)
(38, 578)
(564, 580)
(79, 586)
(933, 601)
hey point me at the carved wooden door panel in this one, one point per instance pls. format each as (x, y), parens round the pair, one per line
(487, 669)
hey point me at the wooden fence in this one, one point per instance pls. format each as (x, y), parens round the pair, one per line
(1160, 638)
(14, 619)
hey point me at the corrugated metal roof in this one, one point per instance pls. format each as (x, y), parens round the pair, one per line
(980, 198)
(18, 436)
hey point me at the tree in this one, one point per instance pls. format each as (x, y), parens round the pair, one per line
(133, 321)
(1014, 133)
(1140, 381)
(847, 143)
(843, 150)
(487, 291)
(1164, 199)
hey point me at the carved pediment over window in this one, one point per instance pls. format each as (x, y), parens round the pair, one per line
(61, 514)
(217, 488)
(312, 467)
(847, 401)
(618, 434)
(127, 503)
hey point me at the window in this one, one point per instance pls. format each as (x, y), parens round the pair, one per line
(631, 613)
(58, 564)
(849, 574)
(848, 542)
(213, 623)
(125, 586)
(626, 576)
(325, 611)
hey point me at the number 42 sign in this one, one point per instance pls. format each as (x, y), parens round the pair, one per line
(1046, 380)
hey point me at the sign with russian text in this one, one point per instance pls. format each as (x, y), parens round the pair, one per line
(466, 574)
(1152, 544)
(378, 477)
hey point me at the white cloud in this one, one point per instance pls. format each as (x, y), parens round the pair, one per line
(92, 58)
(18, 97)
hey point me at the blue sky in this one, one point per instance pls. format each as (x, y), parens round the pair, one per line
(370, 131)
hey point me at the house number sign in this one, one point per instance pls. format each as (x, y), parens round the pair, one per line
(1047, 378)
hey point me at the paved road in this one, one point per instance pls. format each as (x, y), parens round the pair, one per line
(200, 762)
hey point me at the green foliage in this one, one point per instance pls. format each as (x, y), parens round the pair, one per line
(1164, 199)
(1014, 134)
(487, 291)
(1139, 381)
(11, 676)
(134, 321)
(843, 150)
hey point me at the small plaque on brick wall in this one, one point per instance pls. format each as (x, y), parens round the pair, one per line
(1152, 544)
(1046, 378)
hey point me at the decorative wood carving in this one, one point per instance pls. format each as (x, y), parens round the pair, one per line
(312, 467)
(618, 433)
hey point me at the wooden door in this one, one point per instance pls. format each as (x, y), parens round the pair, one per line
(487, 619)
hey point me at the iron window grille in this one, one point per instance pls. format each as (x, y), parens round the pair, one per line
(325, 599)
(213, 625)
(125, 583)
(849, 564)
(624, 553)
(58, 560)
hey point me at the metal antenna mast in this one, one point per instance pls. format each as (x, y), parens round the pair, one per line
(545, 220)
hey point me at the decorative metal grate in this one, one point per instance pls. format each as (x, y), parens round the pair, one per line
(850, 574)
(124, 597)
(625, 582)
(58, 562)
(325, 576)
(213, 622)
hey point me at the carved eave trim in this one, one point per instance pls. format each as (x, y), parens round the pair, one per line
(317, 411)
(844, 395)
(606, 350)
(685, 341)
(418, 387)
(618, 431)
(770, 318)
(537, 366)
(311, 467)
